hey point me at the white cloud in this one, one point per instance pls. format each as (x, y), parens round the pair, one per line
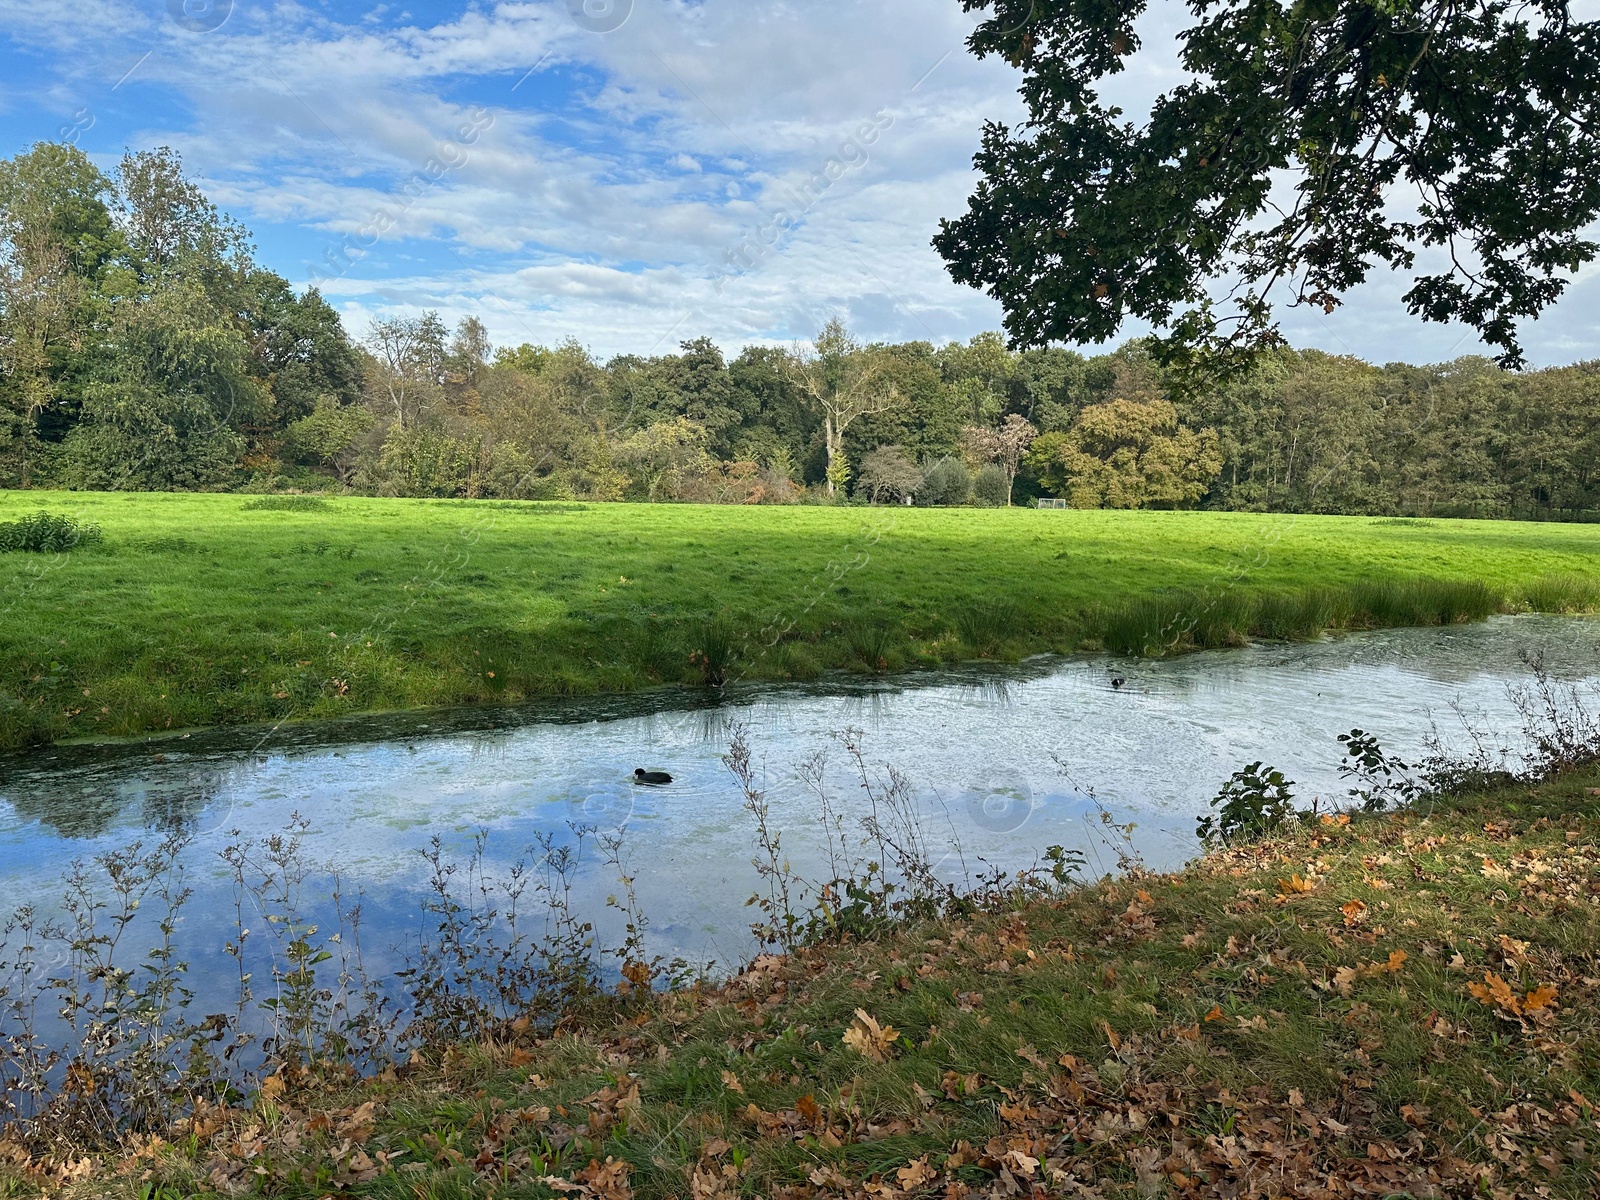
(620, 170)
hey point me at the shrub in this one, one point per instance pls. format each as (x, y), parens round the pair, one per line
(944, 482)
(992, 487)
(1254, 802)
(47, 533)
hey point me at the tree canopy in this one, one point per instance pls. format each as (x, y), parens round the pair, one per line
(1314, 141)
(143, 347)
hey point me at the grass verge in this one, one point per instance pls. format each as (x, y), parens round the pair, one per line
(1394, 1005)
(204, 610)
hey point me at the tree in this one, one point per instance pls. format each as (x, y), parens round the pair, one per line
(843, 382)
(470, 350)
(887, 473)
(664, 456)
(1485, 114)
(410, 361)
(1004, 447)
(56, 234)
(1127, 454)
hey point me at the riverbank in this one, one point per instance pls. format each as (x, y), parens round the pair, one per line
(1377, 1005)
(214, 610)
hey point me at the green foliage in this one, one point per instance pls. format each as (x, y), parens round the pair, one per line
(1253, 803)
(47, 533)
(424, 462)
(326, 434)
(1562, 594)
(140, 346)
(1082, 218)
(1381, 780)
(1176, 621)
(872, 641)
(944, 482)
(1127, 454)
(715, 652)
(987, 625)
(887, 475)
(992, 486)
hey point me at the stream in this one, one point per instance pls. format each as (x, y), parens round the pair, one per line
(1003, 761)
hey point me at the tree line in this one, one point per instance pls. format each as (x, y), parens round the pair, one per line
(142, 347)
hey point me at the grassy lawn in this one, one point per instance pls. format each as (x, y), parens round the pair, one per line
(204, 610)
(1388, 1006)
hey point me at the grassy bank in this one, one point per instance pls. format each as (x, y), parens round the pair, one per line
(218, 609)
(1398, 1005)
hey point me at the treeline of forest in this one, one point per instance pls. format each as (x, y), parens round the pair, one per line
(143, 348)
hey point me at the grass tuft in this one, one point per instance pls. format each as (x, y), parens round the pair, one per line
(1563, 594)
(716, 645)
(286, 504)
(987, 625)
(872, 641)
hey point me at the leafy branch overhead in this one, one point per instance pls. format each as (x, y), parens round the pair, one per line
(1311, 143)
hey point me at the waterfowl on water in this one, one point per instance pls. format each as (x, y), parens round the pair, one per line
(1118, 680)
(640, 775)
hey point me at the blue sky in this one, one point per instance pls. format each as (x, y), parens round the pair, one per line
(627, 173)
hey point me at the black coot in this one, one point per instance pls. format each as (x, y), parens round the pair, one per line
(640, 775)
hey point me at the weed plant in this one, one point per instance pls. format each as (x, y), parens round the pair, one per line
(47, 533)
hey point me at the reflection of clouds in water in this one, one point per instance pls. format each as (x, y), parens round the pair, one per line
(1002, 804)
(981, 745)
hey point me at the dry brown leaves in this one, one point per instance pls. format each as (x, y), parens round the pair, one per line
(869, 1039)
(1537, 1004)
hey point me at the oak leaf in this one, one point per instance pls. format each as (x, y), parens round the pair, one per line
(869, 1039)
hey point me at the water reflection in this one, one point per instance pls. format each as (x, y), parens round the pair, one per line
(1005, 760)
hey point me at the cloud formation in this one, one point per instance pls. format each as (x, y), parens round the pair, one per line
(737, 170)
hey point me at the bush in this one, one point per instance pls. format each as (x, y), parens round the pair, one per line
(1254, 802)
(944, 482)
(991, 487)
(47, 533)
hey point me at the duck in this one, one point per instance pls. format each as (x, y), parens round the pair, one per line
(640, 775)
(1118, 680)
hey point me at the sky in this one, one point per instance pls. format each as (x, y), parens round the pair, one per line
(631, 173)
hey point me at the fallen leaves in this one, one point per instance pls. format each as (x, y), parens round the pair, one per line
(1345, 978)
(1496, 993)
(869, 1039)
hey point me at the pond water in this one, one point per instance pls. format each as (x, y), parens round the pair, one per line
(1004, 761)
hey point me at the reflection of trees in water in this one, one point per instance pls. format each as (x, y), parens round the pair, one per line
(87, 804)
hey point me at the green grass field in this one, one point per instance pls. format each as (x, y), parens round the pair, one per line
(200, 610)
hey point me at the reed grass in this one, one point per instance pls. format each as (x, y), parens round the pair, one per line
(1562, 594)
(1178, 621)
(988, 624)
(873, 642)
